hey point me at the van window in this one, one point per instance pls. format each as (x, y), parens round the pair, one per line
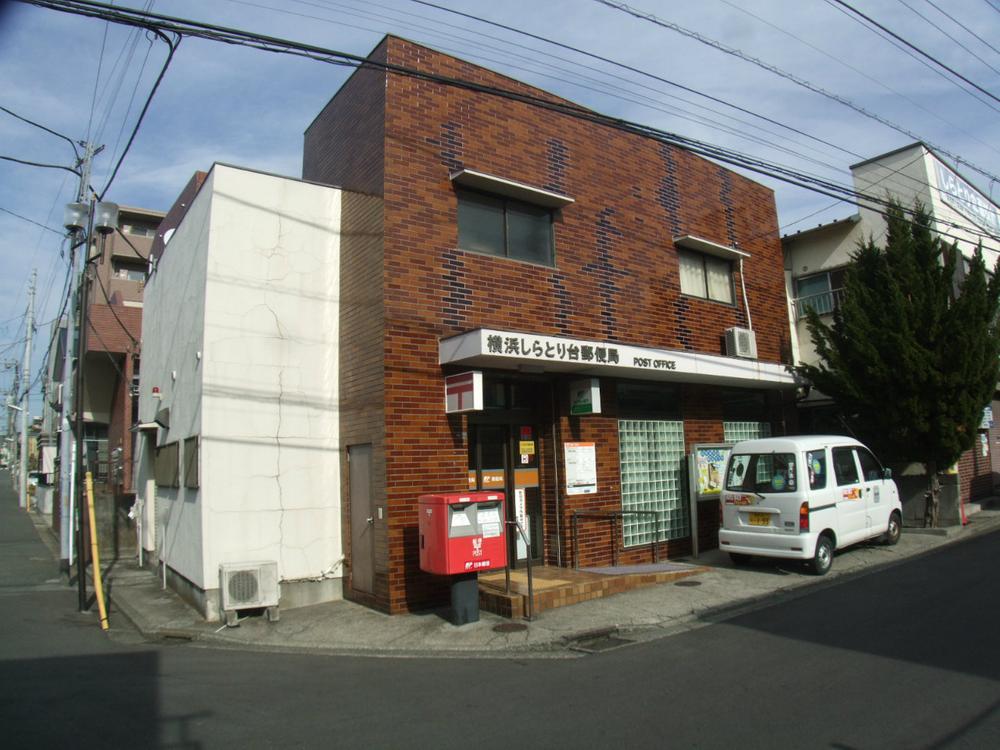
(871, 469)
(762, 472)
(816, 466)
(844, 466)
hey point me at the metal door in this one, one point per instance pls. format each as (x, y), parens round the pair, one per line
(359, 462)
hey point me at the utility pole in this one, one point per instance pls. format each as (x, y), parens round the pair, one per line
(25, 387)
(67, 445)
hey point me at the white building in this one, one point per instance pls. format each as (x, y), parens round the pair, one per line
(239, 460)
(815, 258)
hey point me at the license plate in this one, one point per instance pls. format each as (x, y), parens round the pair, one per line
(760, 519)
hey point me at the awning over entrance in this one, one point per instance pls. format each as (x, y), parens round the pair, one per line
(528, 352)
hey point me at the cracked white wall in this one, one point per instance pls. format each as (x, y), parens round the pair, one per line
(271, 476)
(267, 397)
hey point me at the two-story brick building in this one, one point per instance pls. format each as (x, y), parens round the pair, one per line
(549, 252)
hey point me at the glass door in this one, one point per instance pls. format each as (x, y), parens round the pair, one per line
(505, 457)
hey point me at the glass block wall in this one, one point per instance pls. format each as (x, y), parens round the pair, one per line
(736, 431)
(652, 466)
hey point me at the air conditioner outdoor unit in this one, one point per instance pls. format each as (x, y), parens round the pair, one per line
(248, 586)
(741, 342)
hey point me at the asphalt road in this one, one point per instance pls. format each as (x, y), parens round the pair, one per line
(907, 657)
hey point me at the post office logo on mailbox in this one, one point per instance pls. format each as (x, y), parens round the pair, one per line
(477, 547)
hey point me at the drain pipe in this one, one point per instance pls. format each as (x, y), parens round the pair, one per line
(746, 302)
(555, 475)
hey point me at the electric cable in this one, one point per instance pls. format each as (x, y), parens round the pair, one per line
(600, 86)
(145, 108)
(30, 221)
(129, 243)
(38, 164)
(182, 27)
(942, 31)
(840, 60)
(42, 127)
(107, 298)
(916, 49)
(637, 71)
(790, 77)
(961, 25)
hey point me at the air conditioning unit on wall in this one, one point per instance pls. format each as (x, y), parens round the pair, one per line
(248, 586)
(741, 342)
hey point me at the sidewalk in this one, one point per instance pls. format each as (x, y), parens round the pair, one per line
(346, 628)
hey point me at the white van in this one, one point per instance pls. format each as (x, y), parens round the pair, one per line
(802, 497)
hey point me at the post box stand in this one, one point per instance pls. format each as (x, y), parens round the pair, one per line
(462, 533)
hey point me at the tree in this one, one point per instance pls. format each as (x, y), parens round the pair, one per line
(910, 360)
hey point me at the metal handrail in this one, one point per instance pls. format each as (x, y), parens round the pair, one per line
(577, 514)
(531, 589)
(823, 302)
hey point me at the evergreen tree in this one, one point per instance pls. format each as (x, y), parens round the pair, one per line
(910, 361)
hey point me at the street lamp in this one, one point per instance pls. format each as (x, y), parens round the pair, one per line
(85, 219)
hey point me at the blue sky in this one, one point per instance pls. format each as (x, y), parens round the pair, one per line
(87, 80)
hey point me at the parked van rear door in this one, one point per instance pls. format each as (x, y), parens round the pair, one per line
(852, 512)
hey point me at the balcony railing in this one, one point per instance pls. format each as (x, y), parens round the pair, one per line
(823, 303)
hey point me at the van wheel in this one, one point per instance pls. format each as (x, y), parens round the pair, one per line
(895, 529)
(739, 559)
(823, 558)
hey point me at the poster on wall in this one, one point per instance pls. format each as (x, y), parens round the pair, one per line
(521, 516)
(706, 476)
(710, 462)
(581, 468)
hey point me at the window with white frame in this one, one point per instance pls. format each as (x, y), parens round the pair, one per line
(819, 291)
(706, 276)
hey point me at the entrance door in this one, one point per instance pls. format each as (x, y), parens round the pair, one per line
(505, 457)
(359, 462)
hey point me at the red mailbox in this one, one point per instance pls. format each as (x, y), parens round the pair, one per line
(462, 532)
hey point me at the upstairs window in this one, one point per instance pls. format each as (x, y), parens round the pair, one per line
(129, 271)
(820, 291)
(706, 276)
(506, 227)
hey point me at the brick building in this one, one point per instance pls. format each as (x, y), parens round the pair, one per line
(117, 271)
(549, 253)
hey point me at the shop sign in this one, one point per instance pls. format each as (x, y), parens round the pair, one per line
(547, 348)
(987, 423)
(581, 468)
(964, 198)
(463, 392)
(585, 397)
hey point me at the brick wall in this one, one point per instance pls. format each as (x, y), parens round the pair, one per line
(362, 417)
(344, 144)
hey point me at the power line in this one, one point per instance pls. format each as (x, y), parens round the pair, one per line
(844, 63)
(638, 71)
(129, 243)
(182, 27)
(953, 39)
(916, 49)
(30, 221)
(111, 307)
(145, 108)
(42, 127)
(790, 77)
(38, 164)
(960, 25)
